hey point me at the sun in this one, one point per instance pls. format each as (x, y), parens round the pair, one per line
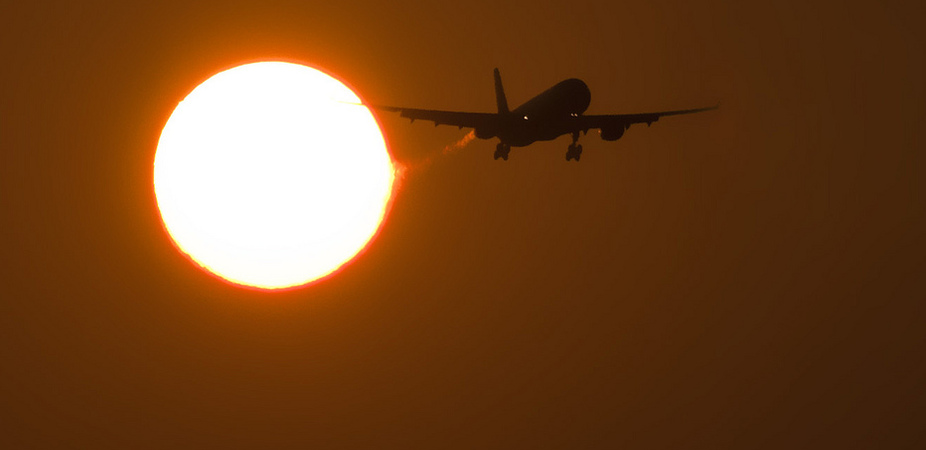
(272, 175)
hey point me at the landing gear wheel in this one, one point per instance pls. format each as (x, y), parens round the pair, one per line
(501, 151)
(572, 152)
(575, 150)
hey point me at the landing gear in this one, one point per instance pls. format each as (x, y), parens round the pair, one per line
(501, 151)
(575, 149)
(574, 152)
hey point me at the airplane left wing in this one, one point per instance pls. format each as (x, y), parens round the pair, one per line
(454, 118)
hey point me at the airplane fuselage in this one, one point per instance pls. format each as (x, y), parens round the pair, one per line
(544, 117)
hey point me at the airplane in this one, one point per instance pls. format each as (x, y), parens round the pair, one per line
(549, 115)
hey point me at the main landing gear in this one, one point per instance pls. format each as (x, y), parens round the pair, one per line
(575, 150)
(501, 151)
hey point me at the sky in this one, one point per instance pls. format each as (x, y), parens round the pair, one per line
(746, 277)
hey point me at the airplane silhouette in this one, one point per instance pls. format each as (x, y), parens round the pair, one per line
(549, 115)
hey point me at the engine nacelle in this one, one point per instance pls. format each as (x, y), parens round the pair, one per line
(611, 134)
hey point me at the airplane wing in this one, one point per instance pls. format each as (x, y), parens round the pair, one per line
(454, 118)
(612, 121)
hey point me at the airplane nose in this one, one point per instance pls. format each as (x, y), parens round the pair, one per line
(580, 94)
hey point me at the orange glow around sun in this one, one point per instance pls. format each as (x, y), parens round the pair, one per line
(272, 175)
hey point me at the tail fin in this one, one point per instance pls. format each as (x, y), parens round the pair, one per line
(500, 94)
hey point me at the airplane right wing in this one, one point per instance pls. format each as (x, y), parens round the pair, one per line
(611, 121)
(454, 118)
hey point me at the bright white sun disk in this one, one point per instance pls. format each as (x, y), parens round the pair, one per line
(272, 175)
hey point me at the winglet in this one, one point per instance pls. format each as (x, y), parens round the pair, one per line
(500, 94)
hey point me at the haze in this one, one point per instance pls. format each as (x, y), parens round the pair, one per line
(749, 277)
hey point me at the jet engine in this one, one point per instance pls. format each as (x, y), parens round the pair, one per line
(611, 134)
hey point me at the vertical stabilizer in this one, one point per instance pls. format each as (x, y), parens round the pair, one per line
(500, 94)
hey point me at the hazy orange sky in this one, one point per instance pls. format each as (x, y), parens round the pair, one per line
(749, 277)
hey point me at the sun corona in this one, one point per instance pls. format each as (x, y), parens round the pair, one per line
(272, 175)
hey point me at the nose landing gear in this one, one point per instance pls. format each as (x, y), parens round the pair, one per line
(575, 149)
(574, 152)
